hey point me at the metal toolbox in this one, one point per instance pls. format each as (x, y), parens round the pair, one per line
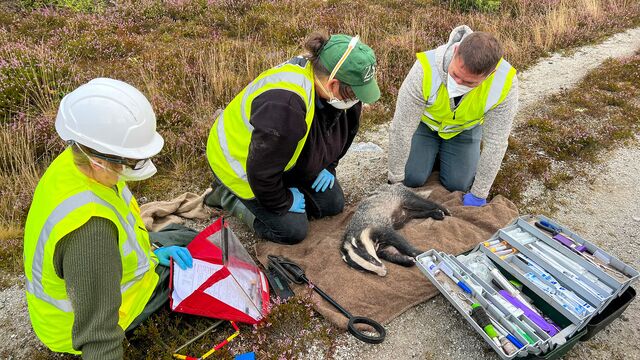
(562, 277)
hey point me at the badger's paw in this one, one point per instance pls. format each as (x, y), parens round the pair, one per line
(437, 214)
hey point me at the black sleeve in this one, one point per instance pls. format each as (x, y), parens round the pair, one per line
(88, 259)
(353, 118)
(278, 118)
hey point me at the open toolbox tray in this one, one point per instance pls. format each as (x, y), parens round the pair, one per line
(593, 285)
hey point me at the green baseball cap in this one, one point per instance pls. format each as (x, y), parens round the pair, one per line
(357, 69)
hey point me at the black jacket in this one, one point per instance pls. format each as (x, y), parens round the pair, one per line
(278, 118)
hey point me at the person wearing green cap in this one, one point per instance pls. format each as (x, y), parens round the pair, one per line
(274, 149)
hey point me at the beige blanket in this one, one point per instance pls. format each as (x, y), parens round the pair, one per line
(384, 298)
(159, 214)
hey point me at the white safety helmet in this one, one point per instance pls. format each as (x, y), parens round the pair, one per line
(111, 117)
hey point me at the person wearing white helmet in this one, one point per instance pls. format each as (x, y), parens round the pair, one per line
(90, 270)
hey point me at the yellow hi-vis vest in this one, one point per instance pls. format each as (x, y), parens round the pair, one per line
(229, 138)
(471, 109)
(64, 200)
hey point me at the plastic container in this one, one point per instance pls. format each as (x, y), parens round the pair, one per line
(610, 313)
(606, 296)
(561, 350)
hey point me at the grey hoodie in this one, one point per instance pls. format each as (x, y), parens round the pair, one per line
(411, 104)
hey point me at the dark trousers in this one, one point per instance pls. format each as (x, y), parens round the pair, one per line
(458, 158)
(169, 236)
(291, 228)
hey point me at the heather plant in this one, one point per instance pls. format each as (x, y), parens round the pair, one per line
(469, 5)
(77, 5)
(288, 332)
(32, 79)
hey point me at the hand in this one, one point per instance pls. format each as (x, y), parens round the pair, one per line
(471, 200)
(180, 255)
(297, 205)
(325, 179)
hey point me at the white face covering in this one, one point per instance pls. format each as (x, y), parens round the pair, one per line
(145, 172)
(454, 89)
(341, 104)
(337, 103)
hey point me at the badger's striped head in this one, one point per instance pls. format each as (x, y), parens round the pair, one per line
(360, 253)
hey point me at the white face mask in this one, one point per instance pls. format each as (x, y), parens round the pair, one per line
(341, 104)
(145, 172)
(335, 102)
(454, 89)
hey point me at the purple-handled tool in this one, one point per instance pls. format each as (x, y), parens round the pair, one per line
(543, 324)
(556, 235)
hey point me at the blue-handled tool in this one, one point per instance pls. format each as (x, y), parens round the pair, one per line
(556, 235)
(514, 341)
(447, 270)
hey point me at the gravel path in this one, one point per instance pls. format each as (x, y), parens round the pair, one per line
(558, 72)
(433, 330)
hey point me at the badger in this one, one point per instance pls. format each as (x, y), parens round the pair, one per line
(371, 233)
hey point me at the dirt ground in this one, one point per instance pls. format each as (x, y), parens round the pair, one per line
(605, 210)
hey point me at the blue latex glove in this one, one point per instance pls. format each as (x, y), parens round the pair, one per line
(471, 200)
(325, 179)
(180, 255)
(297, 205)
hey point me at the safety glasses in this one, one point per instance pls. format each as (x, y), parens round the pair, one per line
(350, 47)
(131, 163)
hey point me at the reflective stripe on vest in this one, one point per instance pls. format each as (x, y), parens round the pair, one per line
(469, 113)
(237, 167)
(227, 151)
(61, 211)
(64, 200)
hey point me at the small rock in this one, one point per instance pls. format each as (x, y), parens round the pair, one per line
(365, 147)
(636, 218)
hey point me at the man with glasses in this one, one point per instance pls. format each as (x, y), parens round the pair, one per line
(458, 95)
(274, 149)
(90, 272)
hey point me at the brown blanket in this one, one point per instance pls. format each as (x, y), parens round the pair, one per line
(159, 214)
(384, 298)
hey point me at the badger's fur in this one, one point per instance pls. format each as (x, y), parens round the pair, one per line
(371, 235)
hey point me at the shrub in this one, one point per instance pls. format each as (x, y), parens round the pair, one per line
(76, 5)
(469, 5)
(31, 79)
